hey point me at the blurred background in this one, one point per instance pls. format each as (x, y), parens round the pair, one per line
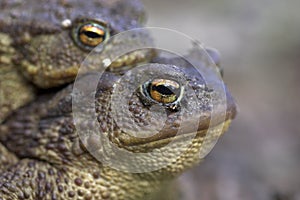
(259, 157)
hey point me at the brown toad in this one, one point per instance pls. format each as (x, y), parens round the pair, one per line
(42, 153)
(44, 42)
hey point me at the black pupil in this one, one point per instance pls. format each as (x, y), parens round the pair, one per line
(92, 34)
(163, 90)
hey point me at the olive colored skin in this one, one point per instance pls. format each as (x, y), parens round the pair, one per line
(36, 42)
(47, 159)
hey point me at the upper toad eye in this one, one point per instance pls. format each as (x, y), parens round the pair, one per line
(90, 34)
(164, 91)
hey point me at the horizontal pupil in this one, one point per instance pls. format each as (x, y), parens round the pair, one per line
(163, 90)
(92, 34)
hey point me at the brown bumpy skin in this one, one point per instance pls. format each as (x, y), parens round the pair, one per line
(15, 90)
(38, 43)
(42, 153)
(54, 162)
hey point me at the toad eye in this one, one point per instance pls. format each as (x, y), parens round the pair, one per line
(163, 91)
(90, 34)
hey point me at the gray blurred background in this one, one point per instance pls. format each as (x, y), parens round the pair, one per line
(259, 157)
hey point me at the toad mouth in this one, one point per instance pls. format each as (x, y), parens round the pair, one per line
(211, 133)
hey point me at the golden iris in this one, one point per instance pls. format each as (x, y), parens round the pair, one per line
(164, 91)
(90, 34)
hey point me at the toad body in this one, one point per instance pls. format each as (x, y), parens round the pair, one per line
(165, 120)
(44, 155)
